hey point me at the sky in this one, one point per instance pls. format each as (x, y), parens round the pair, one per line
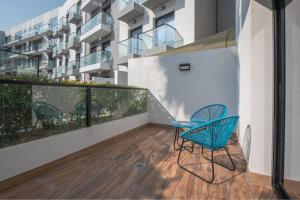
(13, 12)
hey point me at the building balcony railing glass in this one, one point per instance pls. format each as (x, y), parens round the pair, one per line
(74, 14)
(62, 26)
(124, 3)
(61, 49)
(45, 30)
(100, 18)
(131, 46)
(26, 66)
(73, 68)
(74, 41)
(97, 27)
(45, 64)
(130, 10)
(160, 39)
(97, 57)
(61, 71)
(98, 61)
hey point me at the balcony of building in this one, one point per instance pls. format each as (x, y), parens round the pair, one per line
(91, 5)
(160, 39)
(97, 27)
(73, 68)
(38, 48)
(140, 163)
(61, 50)
(74, 15)
(130, 48)
(62, 27)
(61, 71)
(130, 10)
(96, 62)
(153, 4)
(29, 35)
(46, 30)
(47, 64)
(74, 41)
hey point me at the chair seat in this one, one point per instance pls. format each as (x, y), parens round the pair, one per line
(184, 124)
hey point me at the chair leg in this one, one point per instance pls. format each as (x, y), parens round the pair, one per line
(233, 165)
(193, 173)
(230, 168)
(179, 154)
(176, 138)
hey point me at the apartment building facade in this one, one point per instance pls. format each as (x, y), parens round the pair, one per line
(94, 39)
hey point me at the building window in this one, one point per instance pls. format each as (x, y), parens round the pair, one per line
(166, 19)
(106, 46)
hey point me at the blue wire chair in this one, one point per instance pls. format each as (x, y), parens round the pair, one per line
(204, 115)
(213, 136)
(209, 113)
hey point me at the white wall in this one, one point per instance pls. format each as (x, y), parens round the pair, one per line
(292, 158)
(21, 158)
(177, 94)
(255, 49)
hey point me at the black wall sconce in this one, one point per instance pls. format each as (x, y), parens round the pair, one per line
(185, 67)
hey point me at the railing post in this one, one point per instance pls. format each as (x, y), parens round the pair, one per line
(88, 106)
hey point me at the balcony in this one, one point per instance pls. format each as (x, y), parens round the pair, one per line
(90, 5)
(61, 71)
(160, 39)
(73, 68)
(74, 42)
(152, 4)
(97, 27)
(62, 27)
(26, 36)
(138, 164)
(96, 62)
(39, 48)
(130, 10)
(47, 64)
(61, 50)
(130, 48)
(74, 14)
(45, 30)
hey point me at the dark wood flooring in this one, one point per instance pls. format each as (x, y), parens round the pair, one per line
(141, 165)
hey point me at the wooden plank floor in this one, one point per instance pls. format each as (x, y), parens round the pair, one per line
(110, 173)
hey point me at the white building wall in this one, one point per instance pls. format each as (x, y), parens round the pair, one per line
(177, 94)
(292, 138)
(255, 49)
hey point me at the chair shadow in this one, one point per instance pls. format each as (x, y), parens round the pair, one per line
(221, 160)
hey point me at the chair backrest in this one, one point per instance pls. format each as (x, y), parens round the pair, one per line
(46, 111)
(214, 134)
(209, 113)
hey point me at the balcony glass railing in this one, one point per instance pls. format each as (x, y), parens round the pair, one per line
(100, 18)
(43, 29)
(130, 46)
(97, 57)
(62, 45)
(74, 37)
(73, 68)
(61, 70)
(62, 22)
(74, 10)
(124, 3)
(35, 111)
(162, 35)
